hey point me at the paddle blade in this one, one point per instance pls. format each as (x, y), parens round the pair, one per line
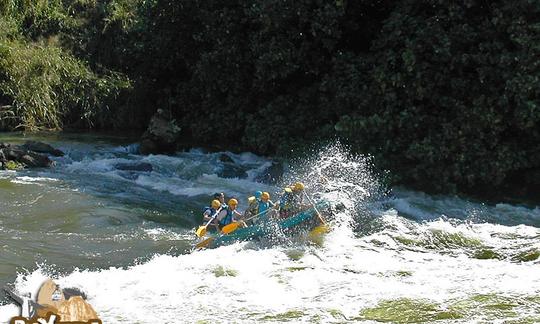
(316, 235)
(201, 231)
(319, 230)
(230, 228)
(204, 243)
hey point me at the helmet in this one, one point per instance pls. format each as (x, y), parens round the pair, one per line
(233, 202)
(265, 196)
(299, 186)
(216, 204)
(258, 194)
(218, 195)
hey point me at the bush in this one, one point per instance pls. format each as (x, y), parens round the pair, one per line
(48, 88)
(453, 94)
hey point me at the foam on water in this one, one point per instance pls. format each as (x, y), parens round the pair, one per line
(459, 257)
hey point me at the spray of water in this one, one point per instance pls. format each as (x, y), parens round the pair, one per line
(348, 180)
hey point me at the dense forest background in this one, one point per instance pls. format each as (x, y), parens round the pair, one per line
(444, 94)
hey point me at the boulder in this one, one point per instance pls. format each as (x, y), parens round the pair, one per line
(142, 166)
(27, 158)
(231, 170)
(161, 136)
(41, 147)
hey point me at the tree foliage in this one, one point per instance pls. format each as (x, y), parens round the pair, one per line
(452, 95)
(444, 94)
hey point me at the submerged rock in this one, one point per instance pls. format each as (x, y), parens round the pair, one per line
(231, 170)
(225, 158)
(142, 166)
(161, 136)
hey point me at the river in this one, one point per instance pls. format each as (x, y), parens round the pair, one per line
(124, 237)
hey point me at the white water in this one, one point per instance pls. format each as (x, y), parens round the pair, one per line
(381, 248)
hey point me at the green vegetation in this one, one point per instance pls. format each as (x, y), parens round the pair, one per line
(12, 165)
(446, 95)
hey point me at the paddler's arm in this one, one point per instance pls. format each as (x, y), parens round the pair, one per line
(206, 216)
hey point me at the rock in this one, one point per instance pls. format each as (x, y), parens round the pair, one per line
(225, 158)
(144, 167)
(231, 170)
(4, 145)
(41, 148)
(272, 174)
(161, 136)
(27, 158)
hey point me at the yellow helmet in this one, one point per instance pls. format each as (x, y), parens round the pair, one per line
(233, 202)
(299, 186)
(216, 204)
(265, 196)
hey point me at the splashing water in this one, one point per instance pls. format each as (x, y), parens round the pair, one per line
(403, 258)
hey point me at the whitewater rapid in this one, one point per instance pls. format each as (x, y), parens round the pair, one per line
(398, 256)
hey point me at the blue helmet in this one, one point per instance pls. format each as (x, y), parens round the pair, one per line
(258, 194)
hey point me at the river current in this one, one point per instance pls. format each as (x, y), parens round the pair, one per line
(124, 237)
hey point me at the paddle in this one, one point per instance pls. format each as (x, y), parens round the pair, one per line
(225, 230)
(204, 243)
(323, 228)
(233, 226)
(314, 207)
(201, 231)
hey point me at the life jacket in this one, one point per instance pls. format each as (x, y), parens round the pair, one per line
(208, 208)
(227, 219)
(286, 200)
(253, 205)
(264, 207)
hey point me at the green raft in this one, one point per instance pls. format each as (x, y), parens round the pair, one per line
(261, 229)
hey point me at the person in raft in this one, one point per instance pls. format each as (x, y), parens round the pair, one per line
(210, 212)
(221, 197)
(292, 200)
(266, 207)
(230, 214)
(253, 205)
